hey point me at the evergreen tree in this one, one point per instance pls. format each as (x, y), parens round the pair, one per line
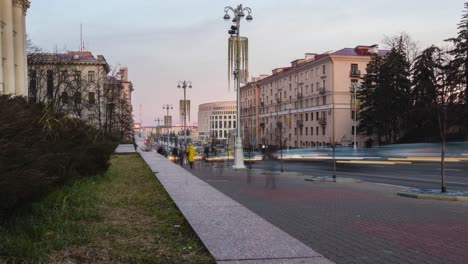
(424, 94)
(385, 97)
(369, 122)
(458, 73)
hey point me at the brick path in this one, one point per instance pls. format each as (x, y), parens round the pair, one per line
(354, 223)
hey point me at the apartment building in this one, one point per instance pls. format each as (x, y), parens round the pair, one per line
(309, 103)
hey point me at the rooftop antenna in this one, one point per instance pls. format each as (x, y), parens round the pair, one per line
(81, 37)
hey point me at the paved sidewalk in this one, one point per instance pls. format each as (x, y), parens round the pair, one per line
(231, 232)
(125, 148)
(350, 223)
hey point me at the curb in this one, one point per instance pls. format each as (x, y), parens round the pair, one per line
(283, 173)
(433, 196)
(328, 179)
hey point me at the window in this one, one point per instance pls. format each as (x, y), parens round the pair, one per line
(91, 77)
(324, 100)
(323, 84)
(77, 76)
(33, 86)
(311, 131)
(324, 68)
(306, 130)
(65, 97)
(306, 117)
(323, 131)
(50, 83)
(317, 131)
(92, 98)
(77, 98)
(63, 76)
(354, 68)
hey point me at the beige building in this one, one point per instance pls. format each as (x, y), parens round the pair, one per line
(216, 119)
(13, 69)
(307, 104)
(79, 84)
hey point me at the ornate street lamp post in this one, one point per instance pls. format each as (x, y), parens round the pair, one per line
(238, 13)
(184, 85)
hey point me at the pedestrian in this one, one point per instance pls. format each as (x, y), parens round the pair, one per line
(190, 154)
(175, 153)
(182, 154)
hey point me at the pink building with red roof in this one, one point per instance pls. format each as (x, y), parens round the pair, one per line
(307, 104)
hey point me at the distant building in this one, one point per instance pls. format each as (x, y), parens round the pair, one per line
(216, 120)
(13, 69)
(307, 104)
(78, 83)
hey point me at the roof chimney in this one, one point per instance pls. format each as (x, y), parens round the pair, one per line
(374, 49)
(310, 56)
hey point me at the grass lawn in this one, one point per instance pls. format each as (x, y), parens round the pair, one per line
(123, 216)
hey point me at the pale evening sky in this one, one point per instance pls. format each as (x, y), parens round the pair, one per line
(163, 42)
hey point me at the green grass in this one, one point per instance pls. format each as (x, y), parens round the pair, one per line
(123, 216)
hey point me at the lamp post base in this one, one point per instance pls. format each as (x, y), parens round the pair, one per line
(238, 156)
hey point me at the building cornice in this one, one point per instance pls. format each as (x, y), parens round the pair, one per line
(25, 4)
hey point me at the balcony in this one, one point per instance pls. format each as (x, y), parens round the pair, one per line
(262, 124)
(322, 90)
(355, 73)
(300, 123)
(322, 121)
(299, 96)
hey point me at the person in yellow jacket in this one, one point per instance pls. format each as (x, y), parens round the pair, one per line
(190, 154)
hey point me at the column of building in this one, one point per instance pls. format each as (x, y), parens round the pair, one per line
(19, 10)
(13, 69)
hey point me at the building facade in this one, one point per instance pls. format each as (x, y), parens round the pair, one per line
(308, 104)
(216, 120)
(13, 69)
(78, 83)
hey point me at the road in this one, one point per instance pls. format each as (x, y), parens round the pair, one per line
(355, 223)
(416, 174)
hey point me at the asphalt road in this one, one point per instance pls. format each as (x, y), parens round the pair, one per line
(416, 174)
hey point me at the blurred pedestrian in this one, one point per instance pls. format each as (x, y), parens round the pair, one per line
(190, 155)
(182, 154)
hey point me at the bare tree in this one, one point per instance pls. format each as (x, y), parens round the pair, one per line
(411, 47)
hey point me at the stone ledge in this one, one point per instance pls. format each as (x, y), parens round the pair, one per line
(329, 179)
(432, 194)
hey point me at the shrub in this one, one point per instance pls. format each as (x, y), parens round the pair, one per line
(40, 150)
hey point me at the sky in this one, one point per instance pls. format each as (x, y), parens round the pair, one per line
(163, 42)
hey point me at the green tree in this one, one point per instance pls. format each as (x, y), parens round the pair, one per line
(393, 95)
(458, 73)
(369, 122)
(423, 116)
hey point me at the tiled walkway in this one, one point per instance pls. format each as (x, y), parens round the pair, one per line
(231, 232)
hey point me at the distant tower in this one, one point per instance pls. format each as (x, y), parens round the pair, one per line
(141, 114)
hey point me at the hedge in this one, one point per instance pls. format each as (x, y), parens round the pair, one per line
(41, 150)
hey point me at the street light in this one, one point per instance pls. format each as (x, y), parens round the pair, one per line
(238, 13)
(184, 85)
(353, 88)
(157, 128)
(166, 121)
